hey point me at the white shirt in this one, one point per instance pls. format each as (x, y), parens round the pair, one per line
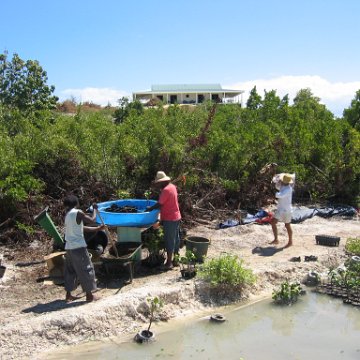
(284, 197)
(74, 232)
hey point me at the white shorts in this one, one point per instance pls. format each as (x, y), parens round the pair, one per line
(283, 216)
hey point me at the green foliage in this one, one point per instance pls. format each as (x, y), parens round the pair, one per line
(122, 194)
(222, 156)
(226, 270)
(352, 245)
(125, 108)
(23, 85)
(254, 101)
(147, 194)
(153, 240)
(29, 230)
(16, 181)
(352, 114)
(348, 276)
(187, 262)
(155, 305)
(287, 294)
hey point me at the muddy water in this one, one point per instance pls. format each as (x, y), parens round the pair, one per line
(317, 327)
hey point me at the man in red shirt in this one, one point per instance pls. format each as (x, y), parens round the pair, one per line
(170, 216)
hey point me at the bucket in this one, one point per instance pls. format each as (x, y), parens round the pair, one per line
(47, 224)
(199, 246)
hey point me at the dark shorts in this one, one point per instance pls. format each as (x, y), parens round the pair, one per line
(171, 235)
(79, 268)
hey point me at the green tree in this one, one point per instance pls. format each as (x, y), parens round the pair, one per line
(254, 101)
(126, 107)
(352, 113)
(23, 85)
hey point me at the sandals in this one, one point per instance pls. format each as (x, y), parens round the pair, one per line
(311, 258)
(307, 258)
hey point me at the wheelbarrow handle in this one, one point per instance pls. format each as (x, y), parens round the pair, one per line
(108, 234)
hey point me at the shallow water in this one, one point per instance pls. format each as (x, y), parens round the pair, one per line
(316, 327)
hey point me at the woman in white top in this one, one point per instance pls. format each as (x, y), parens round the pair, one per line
(78, 266)
(284, 183)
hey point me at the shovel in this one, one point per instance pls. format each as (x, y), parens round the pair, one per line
(108, 234)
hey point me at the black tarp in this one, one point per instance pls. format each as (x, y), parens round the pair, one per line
(299, 214)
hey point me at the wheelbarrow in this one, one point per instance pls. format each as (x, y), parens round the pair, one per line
(129, 253)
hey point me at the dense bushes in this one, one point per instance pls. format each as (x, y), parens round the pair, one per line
(321, 150)
(45, 152)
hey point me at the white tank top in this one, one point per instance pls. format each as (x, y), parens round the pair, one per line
(74, 233)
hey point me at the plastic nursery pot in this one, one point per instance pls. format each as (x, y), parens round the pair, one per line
(144, 336)
(199, 246)
(327, 240)
(312, 278)
(188, 274)
(218, 318)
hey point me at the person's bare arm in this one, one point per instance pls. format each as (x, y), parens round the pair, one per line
(86, 218)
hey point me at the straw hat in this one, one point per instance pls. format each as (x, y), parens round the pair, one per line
(287, 178)
(161, 176)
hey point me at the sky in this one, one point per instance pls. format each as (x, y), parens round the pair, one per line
(100, 51)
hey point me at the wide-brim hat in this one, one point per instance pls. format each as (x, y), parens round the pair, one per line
(161, 176)
(286, 178)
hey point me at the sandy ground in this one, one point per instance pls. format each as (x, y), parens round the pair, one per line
(34, 317)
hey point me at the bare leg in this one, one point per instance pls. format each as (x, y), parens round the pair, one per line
(90, 297)
(289, 231)
(274, 229)
(168, 258)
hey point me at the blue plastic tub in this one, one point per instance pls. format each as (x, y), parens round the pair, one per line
(139, 219)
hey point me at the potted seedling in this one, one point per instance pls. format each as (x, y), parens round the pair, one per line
(147, 195)
(187, 264)
(153, 241)
(155, 304)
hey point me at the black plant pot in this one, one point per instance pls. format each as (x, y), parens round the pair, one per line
(218, 318)
(144, 336)
(188, 274)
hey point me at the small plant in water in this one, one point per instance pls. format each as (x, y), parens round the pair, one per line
(287, 294)
(155, 304)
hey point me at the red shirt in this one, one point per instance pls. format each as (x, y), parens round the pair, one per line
(168, 200)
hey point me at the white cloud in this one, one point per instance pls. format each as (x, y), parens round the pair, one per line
(99, 96)
(335, 95)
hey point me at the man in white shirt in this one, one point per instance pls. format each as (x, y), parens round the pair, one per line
(78, 266)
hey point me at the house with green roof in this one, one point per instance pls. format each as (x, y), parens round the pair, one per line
(189, 94)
